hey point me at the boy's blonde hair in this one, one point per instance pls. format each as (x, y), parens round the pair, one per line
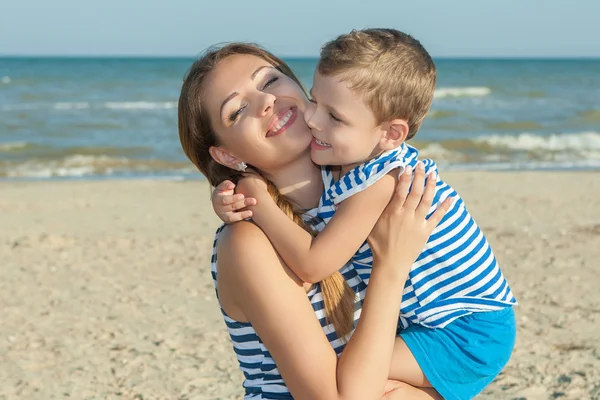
(390, 69)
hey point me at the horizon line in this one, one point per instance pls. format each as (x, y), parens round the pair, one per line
(297, 57)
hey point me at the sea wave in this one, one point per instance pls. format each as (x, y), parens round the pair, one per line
(71, 106)
(78, 165)
(583, 141)
(523, 151)
(526, 166)
(83, 105)
(140, 105)
(11, 146)
(473, 91)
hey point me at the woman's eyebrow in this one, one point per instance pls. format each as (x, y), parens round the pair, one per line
(234, 94)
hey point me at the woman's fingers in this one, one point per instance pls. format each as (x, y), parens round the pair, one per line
(403, 187)
(428, 195)
(435, 218)
(416, 191)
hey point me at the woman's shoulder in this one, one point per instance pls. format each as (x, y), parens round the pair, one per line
(241, 237)
(246, 260)
(244, 248)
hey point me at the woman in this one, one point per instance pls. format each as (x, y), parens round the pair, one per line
(240, 106)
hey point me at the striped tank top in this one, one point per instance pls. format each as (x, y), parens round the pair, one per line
(261, 377)
(455, 275)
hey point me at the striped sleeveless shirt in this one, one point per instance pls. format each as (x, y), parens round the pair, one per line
(455, 275)
(262, 379)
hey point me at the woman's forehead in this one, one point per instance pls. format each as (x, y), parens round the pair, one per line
(230, 75)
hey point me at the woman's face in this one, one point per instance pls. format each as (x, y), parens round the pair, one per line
(257, 114)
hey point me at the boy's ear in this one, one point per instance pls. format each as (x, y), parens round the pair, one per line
(223, 157)
(395, 133)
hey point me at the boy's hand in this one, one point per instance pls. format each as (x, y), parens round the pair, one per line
(228, 205)
(254, 186)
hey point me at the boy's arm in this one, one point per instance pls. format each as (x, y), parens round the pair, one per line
(314, 259)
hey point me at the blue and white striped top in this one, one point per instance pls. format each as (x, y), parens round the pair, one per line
(261, 377)
(455, 275)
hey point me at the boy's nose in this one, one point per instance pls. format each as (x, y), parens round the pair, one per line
(310, 118)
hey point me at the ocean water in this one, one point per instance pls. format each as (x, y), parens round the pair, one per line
(95, 118)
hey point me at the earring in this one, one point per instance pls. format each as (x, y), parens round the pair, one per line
(242, 166)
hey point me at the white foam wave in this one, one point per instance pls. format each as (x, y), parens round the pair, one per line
(5, 79)
(526, 165)
(12, 146)
(71, 106)
(140, 105)
(21, 107)
(582, 142)
(78, 165)
(71, 166)
(474, 91)
(82, 105)
(438, 152)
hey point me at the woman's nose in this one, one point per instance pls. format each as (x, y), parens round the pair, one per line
(266, 103)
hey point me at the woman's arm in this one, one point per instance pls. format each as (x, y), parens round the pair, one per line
(274, 301)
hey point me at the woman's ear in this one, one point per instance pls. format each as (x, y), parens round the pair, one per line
(396, 132)
(224, 157)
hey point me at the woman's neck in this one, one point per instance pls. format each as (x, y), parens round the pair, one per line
(300, 181)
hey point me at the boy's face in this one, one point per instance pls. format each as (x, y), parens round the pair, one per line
(345, 131)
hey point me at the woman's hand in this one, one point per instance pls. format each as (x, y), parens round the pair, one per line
(403, 228)
(228, 205)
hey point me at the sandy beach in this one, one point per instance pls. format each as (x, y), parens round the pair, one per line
(106, 291)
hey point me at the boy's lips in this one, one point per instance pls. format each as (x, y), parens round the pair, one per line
(317, 144)
(281, 121)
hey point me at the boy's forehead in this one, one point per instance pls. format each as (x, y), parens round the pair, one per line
(328, 84)
(335, 92)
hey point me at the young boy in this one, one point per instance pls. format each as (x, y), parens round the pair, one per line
(371, 92)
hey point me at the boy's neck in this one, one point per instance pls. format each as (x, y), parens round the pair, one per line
(300, 182)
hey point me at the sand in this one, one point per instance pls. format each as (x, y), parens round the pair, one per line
(106, 290)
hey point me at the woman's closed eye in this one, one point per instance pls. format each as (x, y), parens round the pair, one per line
(333, 117)
(234, 115)
(270, 82)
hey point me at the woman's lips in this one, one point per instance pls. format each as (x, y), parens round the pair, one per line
(282, 121)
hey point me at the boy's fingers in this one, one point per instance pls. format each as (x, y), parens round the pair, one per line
(230, 217)
(225, 186)
(238, 205)
(227, 200)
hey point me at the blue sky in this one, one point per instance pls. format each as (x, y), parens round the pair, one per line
(509, 28)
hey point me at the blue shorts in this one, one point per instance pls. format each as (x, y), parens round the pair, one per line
(464, 357)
